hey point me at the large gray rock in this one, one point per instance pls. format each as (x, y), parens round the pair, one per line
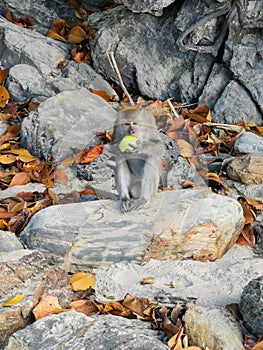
(26, 272)
(64, 122)
(42, 12)
(36, 50)
(187, 224)
(140, 42)
(151, 6)
(25, 82)
(251, 305)
(248, 142)
(235, 105)
(212, 327)
(73, 330)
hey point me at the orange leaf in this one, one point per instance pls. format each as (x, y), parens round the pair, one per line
(12, 132)
(89, 156)
(4, 96)
(7, 159)
(54, 35)
(78, 57)
(258, 346)
(86, 307)
(3, 75)
(48, 305)
(102, 94)
(76, 35)
(20, 179)
(214, 177)
(187, 149)
(147, 280)
(247, 237)
(60, 177)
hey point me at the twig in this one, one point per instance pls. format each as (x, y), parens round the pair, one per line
(235, 128)
(116, 69)
(172, 108)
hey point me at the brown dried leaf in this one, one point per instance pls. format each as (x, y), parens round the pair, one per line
(12, 132)
(258, 346)
(136, 305)
(76, 35)
(247, 237)
(48, 305)
(116, 308)
(4, 96)
(87, 307)
(60, 177)
(3, 75)
(187, 150)
(54, 35)
(147, 280)
(7, 159)
(88, 156)
(19, 179)
(102, 94)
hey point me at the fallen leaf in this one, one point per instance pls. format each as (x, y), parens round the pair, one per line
(60, 177)
(136, 305)
(116, 308)
(12, 132)
(76, 35)
(201, 114)
(82, 280)
(102, 94)
(4, 96)
(147, 280)
(47, 306)
(19, 179)
(88, 156)
(54, 35)
(247, 237)
(86, 307)
(258, 346)
(13, 300)
(7, 159)
(187, 150)
(3, 75)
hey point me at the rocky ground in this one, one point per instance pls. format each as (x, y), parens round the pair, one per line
(185, 240)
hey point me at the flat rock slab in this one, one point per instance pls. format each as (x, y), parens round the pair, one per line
(73, 330)
(194, 224)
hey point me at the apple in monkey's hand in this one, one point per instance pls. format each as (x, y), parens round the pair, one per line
(127, 143)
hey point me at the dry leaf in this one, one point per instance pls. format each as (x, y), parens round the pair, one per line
(4, 96)
(258, 346)
(48, 305)
(136, 305)
(187, 150)
(13, 300)
(3, 75)
(117, 309)
(7, 159)
(82, 280)
(60, 177)
(20, 179)
(86, 307)
(88, 156)
(54, 35)
(76, 35)
(247, 237)
(102, 94)
(12, 132)
(147, 280)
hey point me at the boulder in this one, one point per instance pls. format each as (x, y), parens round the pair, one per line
(180, 224)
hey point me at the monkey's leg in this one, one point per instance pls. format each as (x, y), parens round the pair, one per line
(123, 180)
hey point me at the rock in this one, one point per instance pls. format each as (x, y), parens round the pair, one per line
(9, 242)
(85, 76)
(25, 82)
(247, 169)
(150, 71)
(73, 330)
(41, 13)
(38, 51)
(212, 327)
(215, 85)
(65, 122)
(251, 305)
(26, 272)
(187, 224)
(150, 6)
(248, 142)
(193, 279)
(235, 105)
(3, 128)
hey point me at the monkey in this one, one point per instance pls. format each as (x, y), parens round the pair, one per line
(138, 168)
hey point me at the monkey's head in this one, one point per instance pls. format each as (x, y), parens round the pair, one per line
(134, 122)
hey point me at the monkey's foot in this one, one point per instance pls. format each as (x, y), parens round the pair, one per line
(128, 205)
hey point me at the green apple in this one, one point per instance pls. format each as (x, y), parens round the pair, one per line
(127, 142)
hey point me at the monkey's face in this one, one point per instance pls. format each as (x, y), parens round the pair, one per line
(132, 128)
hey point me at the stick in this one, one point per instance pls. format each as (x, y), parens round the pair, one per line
(172, 108)
(116, 69)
